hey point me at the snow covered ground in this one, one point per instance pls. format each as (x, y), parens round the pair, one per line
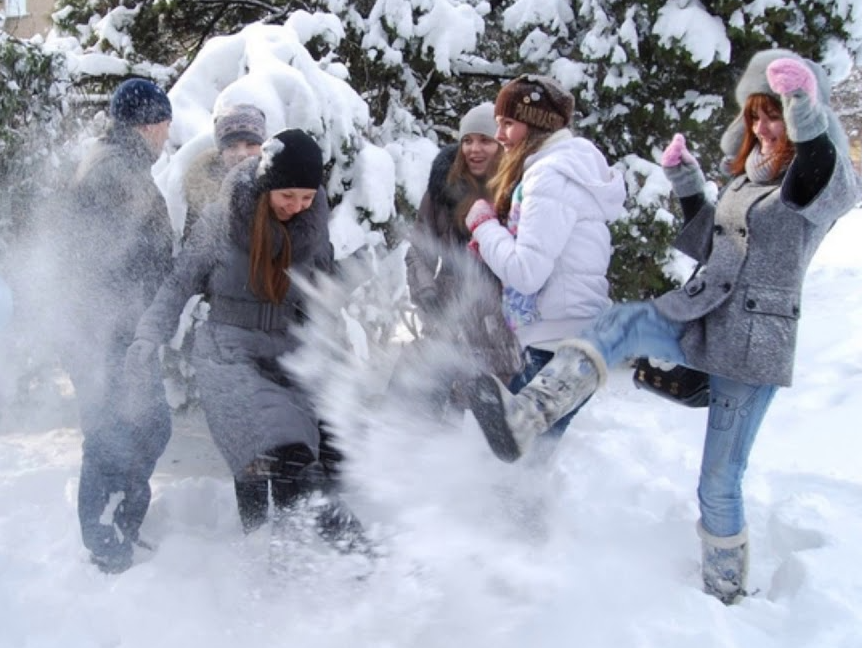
(595, 548)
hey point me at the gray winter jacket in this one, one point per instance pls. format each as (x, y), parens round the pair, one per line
(250, 404)
(743, 308)
(115, 241)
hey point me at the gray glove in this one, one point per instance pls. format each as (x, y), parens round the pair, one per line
(804, 115)
(681, 168)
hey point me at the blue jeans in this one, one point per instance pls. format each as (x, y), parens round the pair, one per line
(736, 409)
(119, 455)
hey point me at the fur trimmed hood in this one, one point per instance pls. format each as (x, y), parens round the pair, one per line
(438, 188)
(202, 180)
(753, 81)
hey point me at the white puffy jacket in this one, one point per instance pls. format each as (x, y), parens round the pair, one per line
(561, 249)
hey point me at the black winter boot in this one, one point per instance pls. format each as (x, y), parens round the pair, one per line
(308, 496)
(252, 499)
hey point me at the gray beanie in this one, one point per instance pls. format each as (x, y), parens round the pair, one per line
(478, 120)
(241, 122)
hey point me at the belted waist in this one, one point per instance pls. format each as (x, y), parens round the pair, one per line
(254, 315)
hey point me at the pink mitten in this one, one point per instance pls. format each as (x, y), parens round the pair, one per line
(481, 212)
(676, 153)
(786, 75)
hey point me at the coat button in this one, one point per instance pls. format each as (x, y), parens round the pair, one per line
(742, 232)
(726, 286)
(795, 310)
(718, 229)
(750, 303)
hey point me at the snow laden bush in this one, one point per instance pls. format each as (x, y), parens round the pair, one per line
(640, 71)
(31, 100)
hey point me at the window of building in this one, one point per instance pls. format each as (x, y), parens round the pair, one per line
(16, 8)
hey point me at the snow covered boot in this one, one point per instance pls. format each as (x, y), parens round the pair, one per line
(725, 565)
(511, 422)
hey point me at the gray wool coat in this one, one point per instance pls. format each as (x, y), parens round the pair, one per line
(251, 406)
(742, 310)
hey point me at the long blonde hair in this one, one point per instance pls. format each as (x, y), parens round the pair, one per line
(511, 169)
(783, 155)
(268, 276)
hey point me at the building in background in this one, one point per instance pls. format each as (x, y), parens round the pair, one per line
(27, 18)
(847, 102)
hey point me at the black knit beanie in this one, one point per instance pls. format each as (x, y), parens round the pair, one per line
(138, 101)
(290, 159)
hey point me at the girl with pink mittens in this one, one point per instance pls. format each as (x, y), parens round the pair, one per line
(791, 179)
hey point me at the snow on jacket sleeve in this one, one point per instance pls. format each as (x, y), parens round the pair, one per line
(563, 185)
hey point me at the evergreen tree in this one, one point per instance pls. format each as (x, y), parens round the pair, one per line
(640, 72)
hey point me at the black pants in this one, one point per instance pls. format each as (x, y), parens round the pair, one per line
(291, 472)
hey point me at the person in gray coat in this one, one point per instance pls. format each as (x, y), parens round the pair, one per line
(737, 318)
(115, 249)
(269, 224)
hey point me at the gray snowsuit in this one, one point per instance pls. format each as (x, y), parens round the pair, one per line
(251, 406)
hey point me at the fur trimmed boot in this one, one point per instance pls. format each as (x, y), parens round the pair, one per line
(511, 422)
(725, 565)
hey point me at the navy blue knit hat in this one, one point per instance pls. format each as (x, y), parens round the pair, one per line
(138, 101)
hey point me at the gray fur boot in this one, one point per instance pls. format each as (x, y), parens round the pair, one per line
(511, 422)
(725, 565)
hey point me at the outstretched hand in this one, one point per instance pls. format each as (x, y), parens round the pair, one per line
(676, 153)
(787, 75)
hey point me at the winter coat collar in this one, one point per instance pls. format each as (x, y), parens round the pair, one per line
(133, 145)
(440, 191)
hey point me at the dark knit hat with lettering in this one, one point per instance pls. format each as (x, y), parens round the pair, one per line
(137, 101)
(290, 159)
(240, 123)
(539, 101)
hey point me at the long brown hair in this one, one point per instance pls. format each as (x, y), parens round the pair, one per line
(785, 151)
(512, 169)
(474, 188)
(267, 270)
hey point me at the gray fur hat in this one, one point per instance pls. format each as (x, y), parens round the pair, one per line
(754, 81)
(478, 120)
